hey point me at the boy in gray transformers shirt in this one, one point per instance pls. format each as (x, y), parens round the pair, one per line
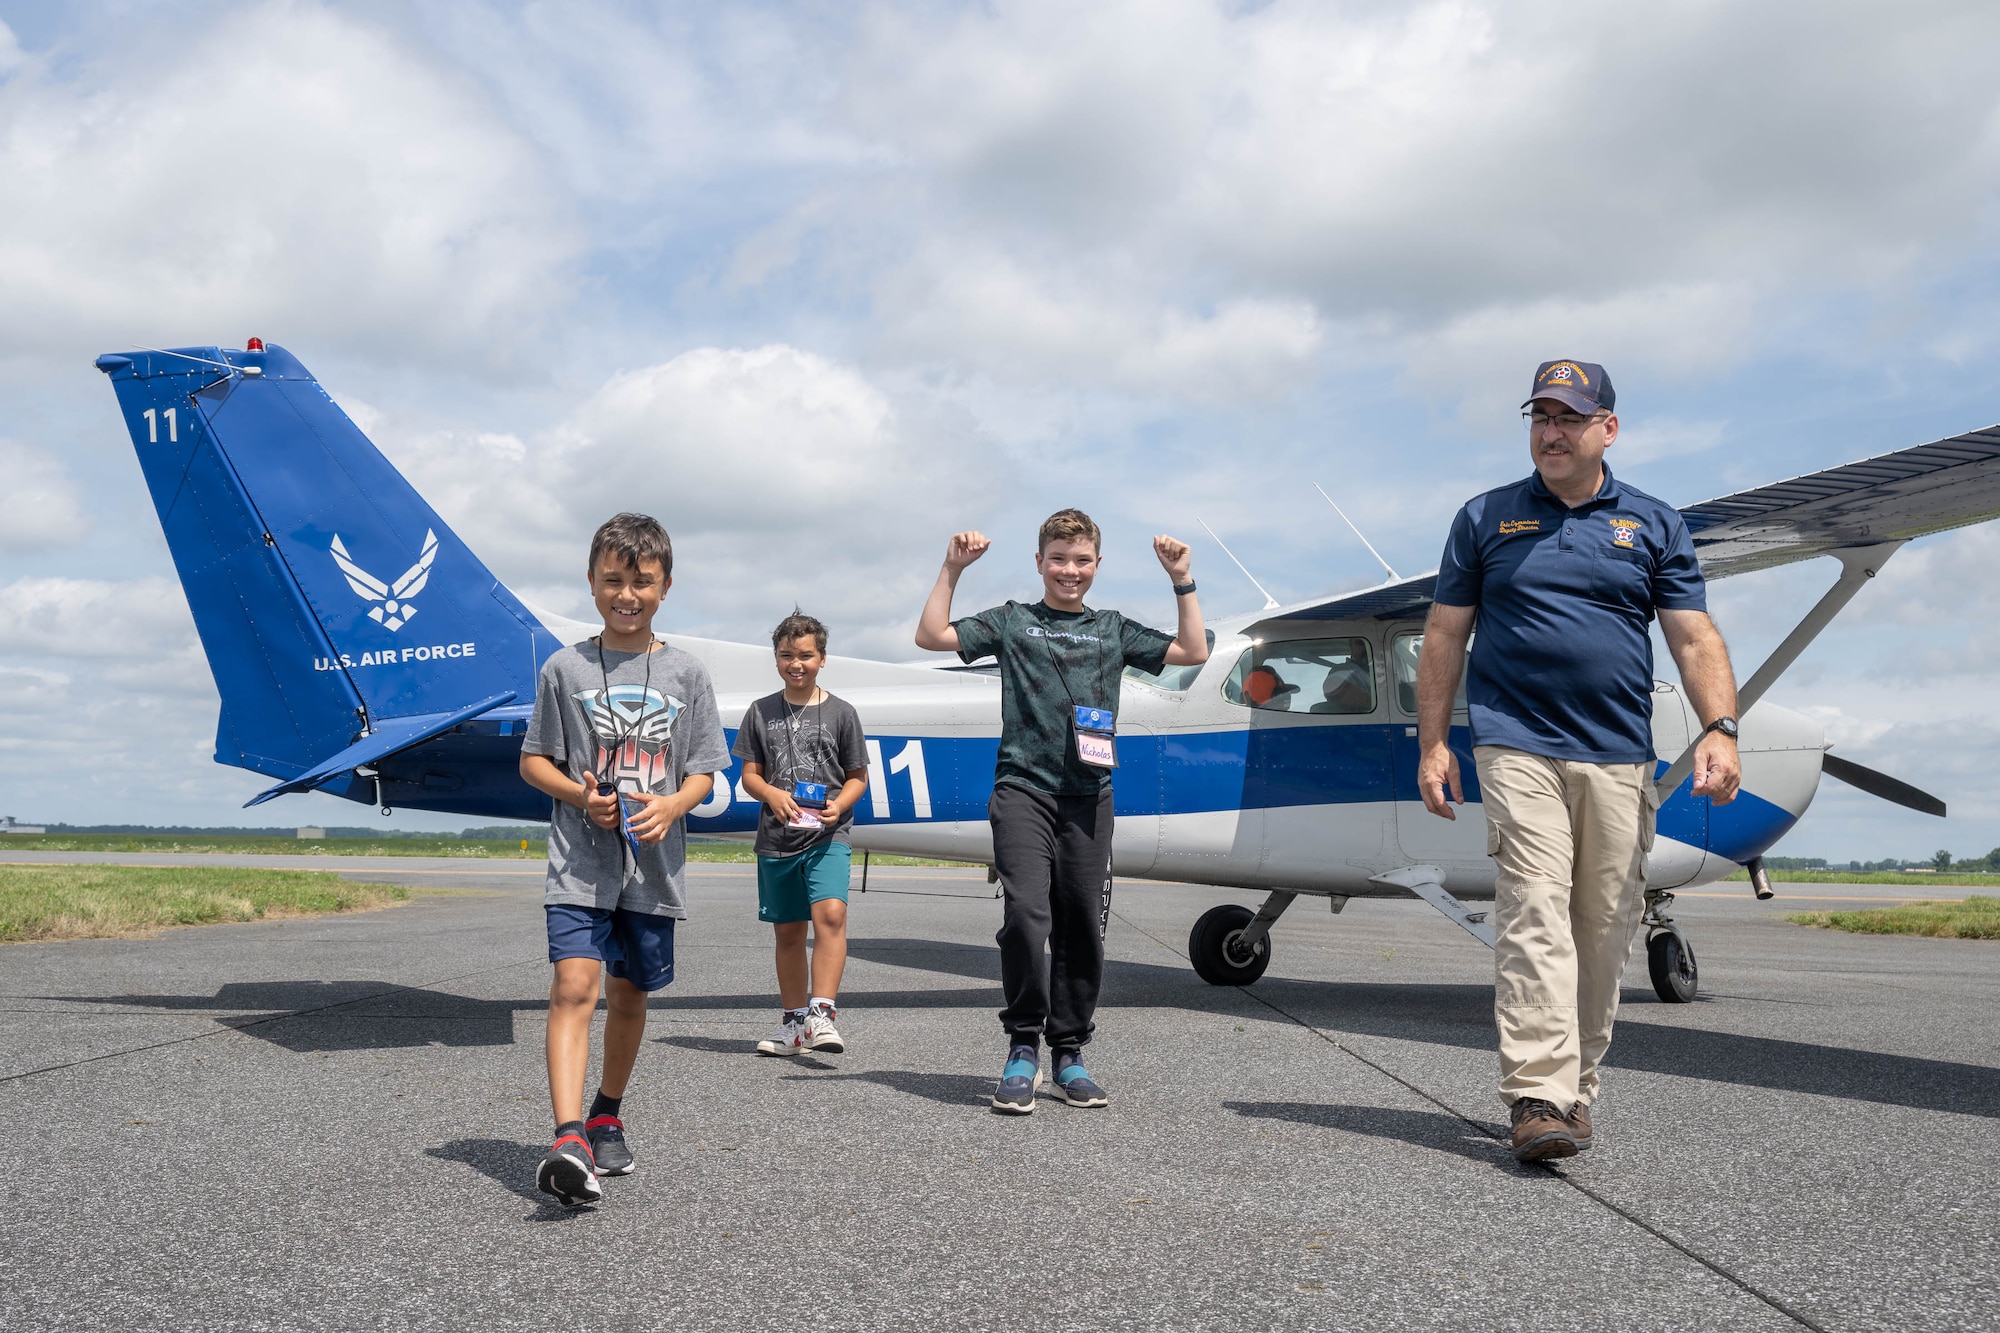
(626, 738)
(1060, 667)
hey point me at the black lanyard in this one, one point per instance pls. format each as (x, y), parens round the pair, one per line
(626, 842)
(792, 735)
(646, 690)
(1056, 662)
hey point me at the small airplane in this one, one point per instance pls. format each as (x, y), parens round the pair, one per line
(360, 648)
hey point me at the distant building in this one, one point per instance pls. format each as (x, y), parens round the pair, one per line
(7, 825)
(312, 833)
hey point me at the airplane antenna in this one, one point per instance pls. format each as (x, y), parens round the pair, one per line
(1357, 532)
(1270, 602)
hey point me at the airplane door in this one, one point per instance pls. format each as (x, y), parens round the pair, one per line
(1137, 793)
(1424, 837)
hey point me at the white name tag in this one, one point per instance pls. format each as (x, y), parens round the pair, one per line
(807, 817)
(1097, 749)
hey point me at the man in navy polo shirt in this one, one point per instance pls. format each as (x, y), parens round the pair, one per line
(1564, 572)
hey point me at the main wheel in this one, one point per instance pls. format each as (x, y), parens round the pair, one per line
(1671, 962)
(1215, 947)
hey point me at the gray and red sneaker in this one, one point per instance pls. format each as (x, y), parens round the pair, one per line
(569, 1172)
(607, 1145)
(820, 1033)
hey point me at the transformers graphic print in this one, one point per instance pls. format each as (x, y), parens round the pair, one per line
(633, 726)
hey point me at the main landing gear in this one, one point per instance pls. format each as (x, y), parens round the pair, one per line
(1668, 956)
(1231, 946)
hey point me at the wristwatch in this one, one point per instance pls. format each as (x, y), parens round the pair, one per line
(1183, 589)
(1725, 725)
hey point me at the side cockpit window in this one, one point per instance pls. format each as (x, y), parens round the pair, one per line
(1404, 650)
(1305, 676)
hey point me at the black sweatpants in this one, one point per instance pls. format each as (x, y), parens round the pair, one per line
(1054, 858)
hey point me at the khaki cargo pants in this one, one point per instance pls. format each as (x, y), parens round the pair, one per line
(1569, 840)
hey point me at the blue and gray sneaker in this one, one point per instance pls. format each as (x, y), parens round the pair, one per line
(1019, 1081)
(1075, 1084)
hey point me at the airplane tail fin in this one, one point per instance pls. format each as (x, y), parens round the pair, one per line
(330, 598)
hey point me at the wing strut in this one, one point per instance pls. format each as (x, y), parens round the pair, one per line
(1858, 564)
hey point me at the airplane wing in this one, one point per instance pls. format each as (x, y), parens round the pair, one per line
(1397, 599)
(1910, 493)
(1931, 488)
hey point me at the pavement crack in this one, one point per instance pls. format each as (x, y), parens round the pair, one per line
(224, 1027)
(1714, 1266)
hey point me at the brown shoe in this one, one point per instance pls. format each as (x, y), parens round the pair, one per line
(1540, 1132)
(1578, 1121)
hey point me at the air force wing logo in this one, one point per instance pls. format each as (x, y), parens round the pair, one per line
(395, 609)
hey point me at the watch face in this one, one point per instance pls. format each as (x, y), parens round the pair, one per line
(1727, 726)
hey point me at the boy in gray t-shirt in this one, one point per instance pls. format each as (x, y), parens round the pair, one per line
(805, 758)
(626, 738)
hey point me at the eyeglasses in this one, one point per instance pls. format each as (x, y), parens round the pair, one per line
(1566, 420)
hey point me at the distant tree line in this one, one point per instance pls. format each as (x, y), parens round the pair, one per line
(502, 832)
(1940, 860)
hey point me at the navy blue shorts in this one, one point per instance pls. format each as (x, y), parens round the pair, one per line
(637, 946)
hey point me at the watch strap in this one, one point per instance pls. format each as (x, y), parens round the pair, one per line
(1183, 589)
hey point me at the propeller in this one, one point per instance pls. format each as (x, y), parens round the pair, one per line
(1881, 784)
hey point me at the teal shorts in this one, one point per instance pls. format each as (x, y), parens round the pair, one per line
(788, 886)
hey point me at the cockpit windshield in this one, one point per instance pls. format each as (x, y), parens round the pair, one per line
(1305, 676)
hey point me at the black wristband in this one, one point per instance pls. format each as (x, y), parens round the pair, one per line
(1183, 589)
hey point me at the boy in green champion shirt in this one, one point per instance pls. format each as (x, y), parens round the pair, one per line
(1060, 667)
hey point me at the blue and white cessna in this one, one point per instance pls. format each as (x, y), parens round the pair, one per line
(361, 648)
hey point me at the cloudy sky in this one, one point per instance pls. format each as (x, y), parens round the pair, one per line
(819, 284)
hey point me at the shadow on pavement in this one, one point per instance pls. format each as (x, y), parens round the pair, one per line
(1425, 1129)
(950, 1089)
(1462, 1016)
(739, 1046)
(308, 1016)
(509, 1164)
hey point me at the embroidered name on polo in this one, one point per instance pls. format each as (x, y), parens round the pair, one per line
(1511, 526)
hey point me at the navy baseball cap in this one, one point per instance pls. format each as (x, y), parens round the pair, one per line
(1581, 384)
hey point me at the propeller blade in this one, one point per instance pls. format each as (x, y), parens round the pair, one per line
(1881, 784)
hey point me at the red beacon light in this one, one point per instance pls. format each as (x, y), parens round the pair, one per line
(254, 345)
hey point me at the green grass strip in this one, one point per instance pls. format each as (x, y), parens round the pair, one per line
(108, 902)
(1976, 918)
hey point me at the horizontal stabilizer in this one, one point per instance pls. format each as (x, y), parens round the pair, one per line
(390, 735)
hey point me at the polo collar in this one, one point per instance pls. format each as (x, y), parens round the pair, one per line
(1610, 490)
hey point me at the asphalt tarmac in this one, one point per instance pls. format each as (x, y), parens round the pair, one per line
(333, 1123)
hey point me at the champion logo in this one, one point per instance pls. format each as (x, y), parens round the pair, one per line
(395, 609)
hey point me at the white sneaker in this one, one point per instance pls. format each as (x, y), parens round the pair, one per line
(789, 1039)
(821, 1034)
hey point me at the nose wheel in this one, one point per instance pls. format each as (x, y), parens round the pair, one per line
(1223, 949)
(1669, 957)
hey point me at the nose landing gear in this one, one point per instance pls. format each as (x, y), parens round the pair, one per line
(1230, 945)
(1669, 958)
